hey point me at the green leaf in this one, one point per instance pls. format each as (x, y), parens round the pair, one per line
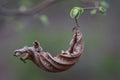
(94, 11)
(104, 4)
(76, 12)
(25, 4)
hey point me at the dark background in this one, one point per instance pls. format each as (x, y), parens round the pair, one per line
(101, 58)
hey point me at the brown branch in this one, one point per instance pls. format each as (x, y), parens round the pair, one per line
(94, 3)
(29, 12)
(32, 11)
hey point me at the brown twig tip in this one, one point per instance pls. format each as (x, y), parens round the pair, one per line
(61, 62)
(16, 53)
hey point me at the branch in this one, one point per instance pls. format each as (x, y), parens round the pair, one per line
(29, 12)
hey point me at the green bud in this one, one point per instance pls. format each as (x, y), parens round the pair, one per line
(76, 12)
(101, 10)
(44, 19)
(23, 8)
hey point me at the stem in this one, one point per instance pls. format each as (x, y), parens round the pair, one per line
(76, 22)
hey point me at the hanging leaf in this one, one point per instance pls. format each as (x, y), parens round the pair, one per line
(62, 62)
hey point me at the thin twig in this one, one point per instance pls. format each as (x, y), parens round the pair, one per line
(90, 8)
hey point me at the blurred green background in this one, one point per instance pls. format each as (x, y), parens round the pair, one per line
(52, 28)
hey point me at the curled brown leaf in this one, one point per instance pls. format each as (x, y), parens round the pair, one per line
(63, 61)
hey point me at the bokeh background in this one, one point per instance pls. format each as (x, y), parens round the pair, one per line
(52, 28)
